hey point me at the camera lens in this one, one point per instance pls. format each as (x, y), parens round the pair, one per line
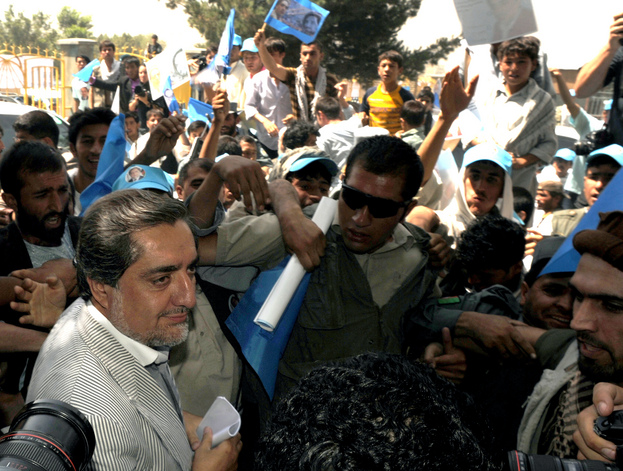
(518, 461)
(47, 435)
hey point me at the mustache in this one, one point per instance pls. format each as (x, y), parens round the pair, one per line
(587, 338)
(177, 310)
(54, 214)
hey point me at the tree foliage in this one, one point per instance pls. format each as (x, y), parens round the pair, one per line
(138, 42)
(17, 29)
(353, 35)
(73, 25)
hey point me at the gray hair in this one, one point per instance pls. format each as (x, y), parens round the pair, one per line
(106, 247)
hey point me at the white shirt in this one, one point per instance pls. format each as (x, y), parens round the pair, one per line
(271, 98)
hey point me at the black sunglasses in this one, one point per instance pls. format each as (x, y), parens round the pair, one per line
(378, 207)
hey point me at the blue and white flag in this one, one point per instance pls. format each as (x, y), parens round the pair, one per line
(169, 96)
(85, 74)
(197, 111)
(566, 258)
(300, 18)
(261, 348)
(110, 165)
(219, 65)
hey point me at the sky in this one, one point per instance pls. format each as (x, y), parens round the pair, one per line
(571, 31)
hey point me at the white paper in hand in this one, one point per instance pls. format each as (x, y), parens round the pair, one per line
(223, 419)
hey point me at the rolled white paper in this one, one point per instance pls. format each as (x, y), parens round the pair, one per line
(223, 419)
(281, 294)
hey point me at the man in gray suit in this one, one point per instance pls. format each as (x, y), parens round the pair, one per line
(107, 355)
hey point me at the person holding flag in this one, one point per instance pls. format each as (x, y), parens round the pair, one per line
(306, 83)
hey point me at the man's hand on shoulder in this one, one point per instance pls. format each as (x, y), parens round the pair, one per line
(43, 303)
(495, 334)
(63, 268)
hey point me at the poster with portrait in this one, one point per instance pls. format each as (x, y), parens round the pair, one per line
(169, 63)
(494, 21)
(300, 18)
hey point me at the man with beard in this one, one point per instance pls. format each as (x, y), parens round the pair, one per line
(107, 356)
(36, 188)
(573, 367)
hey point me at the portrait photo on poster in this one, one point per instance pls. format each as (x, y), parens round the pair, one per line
(300, 18)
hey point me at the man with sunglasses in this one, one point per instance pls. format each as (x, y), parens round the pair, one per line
(374, 269)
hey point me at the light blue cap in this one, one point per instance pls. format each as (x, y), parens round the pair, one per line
(303, 162)
(249, 46)
(237, 40)
(614, 151)
(145, 178)
(492, 153)
(608, 105)
(565, 154)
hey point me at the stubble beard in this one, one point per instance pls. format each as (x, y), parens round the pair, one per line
(159, 337)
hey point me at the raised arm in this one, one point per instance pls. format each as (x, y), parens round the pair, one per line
(591, 77)
(275, 69)
(567, 99)
(452, 100)
(220, 107)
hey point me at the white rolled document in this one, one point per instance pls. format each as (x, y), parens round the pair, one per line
(281, 294)
(223, 419)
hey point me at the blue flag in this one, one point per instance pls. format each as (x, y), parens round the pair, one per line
(300, 18)
(566, 258)
(110, 165)
(219, 65)
(261, 348)
(85, 74)
(169, 96)
(197, 110)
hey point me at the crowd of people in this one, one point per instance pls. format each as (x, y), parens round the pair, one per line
(430, 336)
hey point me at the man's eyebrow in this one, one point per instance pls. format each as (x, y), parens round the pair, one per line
(598, 296)
(162, 269)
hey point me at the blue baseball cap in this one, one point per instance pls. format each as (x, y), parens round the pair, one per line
(303, 162)
(140, 177)
(249, 46)
(492, 153)
(565, 154)
(614, 151)
(237, 40)
(608, 105)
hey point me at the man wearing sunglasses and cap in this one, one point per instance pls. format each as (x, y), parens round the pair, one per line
(374, 268)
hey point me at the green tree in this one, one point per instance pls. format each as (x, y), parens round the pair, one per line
(353, 35)
(125, 40)
(18, 30)
(74, 25)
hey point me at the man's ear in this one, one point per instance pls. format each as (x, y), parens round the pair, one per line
(101, 292)
(72, 149)
(408, 209)
(49, 142)
(10, 201)
(524, 292)
(516, 269)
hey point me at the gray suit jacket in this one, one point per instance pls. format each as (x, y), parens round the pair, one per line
(136, 426)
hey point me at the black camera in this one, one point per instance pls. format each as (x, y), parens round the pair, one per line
(610, 428)
(202, 62)
(47, 435)
(594, 140)
(140, 91)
